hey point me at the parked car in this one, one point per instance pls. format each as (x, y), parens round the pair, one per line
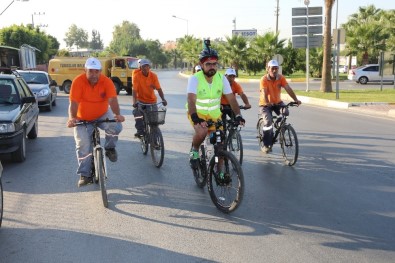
(42, 86)
(343, 69)
(368, 73)
(18, 115)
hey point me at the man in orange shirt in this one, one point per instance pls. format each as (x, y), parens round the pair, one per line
(90, 97)
(270, 100)
(226, 110)
(145, 82)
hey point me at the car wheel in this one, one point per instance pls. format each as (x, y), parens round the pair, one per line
(20, 154)
(34, 131)
(363, 80)
(67, 87)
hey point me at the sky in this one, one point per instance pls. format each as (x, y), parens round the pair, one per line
(202, 19)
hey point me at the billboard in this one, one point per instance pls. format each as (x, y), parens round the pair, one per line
(247, 33)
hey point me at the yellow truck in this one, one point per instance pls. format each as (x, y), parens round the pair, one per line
(64, 69)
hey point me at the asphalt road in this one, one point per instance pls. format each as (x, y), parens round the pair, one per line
(335, 205)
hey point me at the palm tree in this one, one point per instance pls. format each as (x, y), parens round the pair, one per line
(235, 51)
(326, 84)
(266, 46)
(190, 48)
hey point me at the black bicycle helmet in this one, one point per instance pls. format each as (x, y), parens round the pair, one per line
(207, 51)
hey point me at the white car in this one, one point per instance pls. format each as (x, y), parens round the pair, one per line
(368, 73)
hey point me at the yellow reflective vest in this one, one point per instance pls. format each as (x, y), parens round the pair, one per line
(208, 98)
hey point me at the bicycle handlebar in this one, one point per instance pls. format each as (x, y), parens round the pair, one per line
(81, 122)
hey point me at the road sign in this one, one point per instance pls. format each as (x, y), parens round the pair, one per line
(342, 33)
(302, 30)
(302, 11)
(301, 41)
(302, 21)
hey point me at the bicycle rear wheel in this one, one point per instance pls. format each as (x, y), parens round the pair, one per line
(200, 173)
(157, 147)
(289, 144)
(1, 202)
(100, 169)
(234, 144)
(226, 191)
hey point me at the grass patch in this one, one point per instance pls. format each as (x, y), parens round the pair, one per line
(365, 95)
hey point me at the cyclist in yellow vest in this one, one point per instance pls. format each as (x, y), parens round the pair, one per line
(205, 89)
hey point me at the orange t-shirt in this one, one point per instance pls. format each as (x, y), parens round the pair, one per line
(236, 89)
(93, 101)
(273, 89)
(135, 71)
(145, 86)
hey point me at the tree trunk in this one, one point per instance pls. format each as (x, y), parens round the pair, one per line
(326, 84)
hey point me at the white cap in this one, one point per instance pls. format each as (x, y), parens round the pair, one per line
(230, 71)
(92, 63)
(197, 68)
(272, 63)
(144, 61)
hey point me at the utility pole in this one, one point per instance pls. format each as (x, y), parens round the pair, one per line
(277, 13)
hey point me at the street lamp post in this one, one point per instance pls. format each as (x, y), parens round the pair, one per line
(11, 4)
(37, 14)
(184, 20)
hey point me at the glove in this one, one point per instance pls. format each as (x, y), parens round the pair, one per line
(240, 120)
(195, 118)
(134, 105)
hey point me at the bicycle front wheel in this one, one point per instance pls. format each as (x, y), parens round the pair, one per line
(144, 143)
(234, 144)
(157, 147)
(100, 169)
(289, 144)
(226, 182)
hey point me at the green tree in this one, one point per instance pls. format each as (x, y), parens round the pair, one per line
(266, 46)
(126, 39)
(235, 51)
(190, 48)
(367, 33)
(16, 36)
(96, 43)
(76, 36)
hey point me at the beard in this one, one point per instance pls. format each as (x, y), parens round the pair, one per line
(210, 72)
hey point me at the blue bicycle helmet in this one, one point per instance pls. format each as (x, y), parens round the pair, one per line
(207, 51)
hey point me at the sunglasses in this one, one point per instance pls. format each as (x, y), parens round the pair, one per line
(208, 64)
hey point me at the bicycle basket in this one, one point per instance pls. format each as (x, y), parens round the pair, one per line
(156, 117)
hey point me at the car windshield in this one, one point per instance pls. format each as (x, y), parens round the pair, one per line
(34, 78)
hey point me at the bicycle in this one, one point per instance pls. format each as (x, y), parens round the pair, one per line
(233, 140)
(99, 168)
(285, 133)
(227, 188)
(153, 116)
